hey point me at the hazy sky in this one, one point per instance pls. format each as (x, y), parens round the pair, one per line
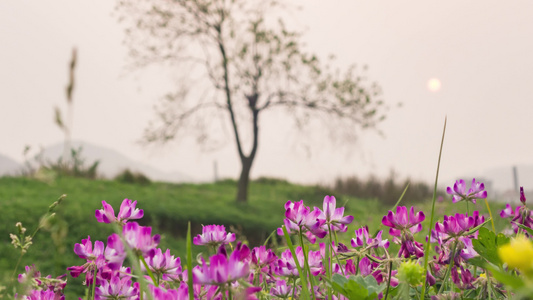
(481, 51)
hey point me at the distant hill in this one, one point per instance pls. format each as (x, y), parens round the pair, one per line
(112, 162)
(9, 166)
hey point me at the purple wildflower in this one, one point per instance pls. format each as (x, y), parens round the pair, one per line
(115, 252)
(464, 279)
(117, 288)
(404, 225)
(214, 235)
(140, 238)
(85, 251)
(287, 267)
(454, 231)
(220, 270)
(521, 215)
(262, 260)
(95, 259)
(164, 264)
(459, 192)
(362, 238)
(333, 216)
(127, 212)
(281, 290)
(522, 195)
(300, 218)
(43, 295)
(42, 287)
(467, 251)
(31, 273)
(458, 225)
(159, 293)
(401, 221)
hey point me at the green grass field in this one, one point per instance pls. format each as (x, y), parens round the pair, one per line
(168, 208)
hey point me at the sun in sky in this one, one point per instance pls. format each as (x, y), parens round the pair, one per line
(434, 85)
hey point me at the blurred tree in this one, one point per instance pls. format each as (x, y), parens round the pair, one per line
(242, 60)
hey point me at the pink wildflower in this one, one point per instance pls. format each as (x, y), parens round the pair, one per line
(220, 270)
(127, 212)
(334, 216)
(459, 192)
(214, 235)
(140, 238)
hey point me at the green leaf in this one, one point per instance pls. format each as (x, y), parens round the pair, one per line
(502, 239)
(357, 287)
(486, 246)
(370, 283)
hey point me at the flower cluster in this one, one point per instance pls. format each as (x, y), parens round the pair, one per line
(315, 223)
(231, 269)
(459, 192)
(403, 226)
(455, 232)
(521, 215)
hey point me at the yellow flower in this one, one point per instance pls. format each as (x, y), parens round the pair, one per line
(518, 254)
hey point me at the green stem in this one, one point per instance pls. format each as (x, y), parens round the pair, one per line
(336, 255)
(94, 280)
(16, 266)
(449, 270)
(311, 279)
(388, 281)
(357, 265)
(329, 261)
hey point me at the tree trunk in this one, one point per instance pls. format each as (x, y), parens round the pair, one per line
(244, 179)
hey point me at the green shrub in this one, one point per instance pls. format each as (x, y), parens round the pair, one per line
(128, 176)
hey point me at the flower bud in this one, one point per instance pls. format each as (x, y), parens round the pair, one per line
(411, 273)
(522, 195)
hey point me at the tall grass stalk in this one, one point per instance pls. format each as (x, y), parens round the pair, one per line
(431, 219)
(189, 262)
(401, 197)
(329, 261)
(156, 282)
(490, 214)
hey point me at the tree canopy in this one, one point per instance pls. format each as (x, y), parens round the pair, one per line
(238, 59)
